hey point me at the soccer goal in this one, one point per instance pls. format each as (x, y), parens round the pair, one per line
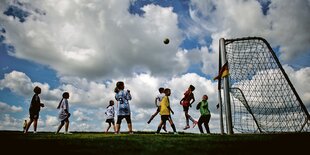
(258, 96)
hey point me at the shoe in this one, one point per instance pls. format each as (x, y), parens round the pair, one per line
(175, 133)
(69, 133)
(186, 127)
(34, 132)
(131, 133)
(195, 123)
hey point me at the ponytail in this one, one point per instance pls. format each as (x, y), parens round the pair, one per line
(58, 107)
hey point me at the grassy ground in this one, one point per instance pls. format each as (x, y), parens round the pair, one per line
(149, 143)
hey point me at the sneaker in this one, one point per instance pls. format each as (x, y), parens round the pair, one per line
(131, 133)
(69, 133)
(175, 133)
(186, 127)
(34, 132)
(195, 123)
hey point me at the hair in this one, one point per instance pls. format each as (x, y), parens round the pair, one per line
(167, 90)
(161, 89)
(192, 87)
(64, 95)
(206, 96)
(110, 103)
(37, 90)
(119, 84)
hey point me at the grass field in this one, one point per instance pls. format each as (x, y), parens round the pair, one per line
(148, 143)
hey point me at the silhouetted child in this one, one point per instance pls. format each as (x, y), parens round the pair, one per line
(64, 113)
(158, 99)
(187, 102)
(205, 114)
(123, 109)
(34, 110)
(110, 115)
(165, 112)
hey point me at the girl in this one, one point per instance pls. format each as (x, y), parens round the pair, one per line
(123, 108)
(110, 115)
(34, 109)
(187, 102)
(205, 114)
(64, 113)
(165, 112)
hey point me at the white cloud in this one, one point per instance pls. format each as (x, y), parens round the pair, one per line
(4, 108)
(235, 18)
(97, 38)
(51, 120)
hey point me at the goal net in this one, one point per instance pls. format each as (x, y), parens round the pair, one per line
(263, 99)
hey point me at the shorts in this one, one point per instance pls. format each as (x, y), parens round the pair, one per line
(111, 120)
(120, 117)
(34, 115)
(185, 108)
(165, 118)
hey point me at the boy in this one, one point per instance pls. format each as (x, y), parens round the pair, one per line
(158, 99)
(205, 114)
(165, 112)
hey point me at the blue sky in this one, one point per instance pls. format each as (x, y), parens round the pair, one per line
(86, 47)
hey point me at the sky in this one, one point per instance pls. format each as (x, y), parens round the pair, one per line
(86, 46)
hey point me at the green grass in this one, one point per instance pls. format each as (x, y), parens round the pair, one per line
(149, 143)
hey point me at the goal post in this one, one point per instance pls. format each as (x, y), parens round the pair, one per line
(257, 94)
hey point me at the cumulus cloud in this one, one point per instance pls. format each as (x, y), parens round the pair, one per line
(97, 38)
(4, 108)
(236, 18)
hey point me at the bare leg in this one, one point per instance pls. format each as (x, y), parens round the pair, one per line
(60, 126)
(130, 128)
(108, 127)
(35, 124)
(118, 126)
(67, 126)
(28, 125)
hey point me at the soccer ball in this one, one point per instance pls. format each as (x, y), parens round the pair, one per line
(166, 41)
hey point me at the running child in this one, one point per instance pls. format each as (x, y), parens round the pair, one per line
(34, 110)
(158, 99)
(110, 115)
(187, 102)
(165, 110)
(64, 113)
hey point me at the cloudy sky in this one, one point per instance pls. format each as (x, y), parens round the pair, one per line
(86, 46)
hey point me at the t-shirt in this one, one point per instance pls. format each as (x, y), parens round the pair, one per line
(122, 98)
(204, 110)
(159, 97)
(188, 96)
(164, 104)
(110, 112)
(63, 106)
(35, 103)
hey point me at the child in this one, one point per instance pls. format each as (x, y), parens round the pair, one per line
(110, 115)
(123, 108)
(158, 99)
(25, 125)
(165, 112)
(64, 113)
(187, 102)
(34, 109)
(205, 114)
